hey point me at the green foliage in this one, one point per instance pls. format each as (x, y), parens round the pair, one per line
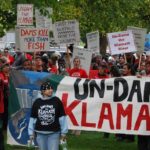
(103, 15)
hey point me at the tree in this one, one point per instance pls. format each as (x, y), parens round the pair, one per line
(7, 15)
(103, 15)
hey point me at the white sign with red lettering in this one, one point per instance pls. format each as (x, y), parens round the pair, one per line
(24, 14)
(34, 39)
(121, 42)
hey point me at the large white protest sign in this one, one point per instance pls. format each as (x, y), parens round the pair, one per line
(85, 56)
(43, 21)
(121, 42)
(66, 32)
(115, 105)
(24, 14)
(34, 39)
(139, 37)
(93, 41)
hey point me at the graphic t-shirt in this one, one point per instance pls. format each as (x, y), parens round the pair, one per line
(47, 113)
(80, 73)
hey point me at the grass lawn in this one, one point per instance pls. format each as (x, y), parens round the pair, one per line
(91, 141)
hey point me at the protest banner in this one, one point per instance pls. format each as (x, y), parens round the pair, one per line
(24, 14)
(44, 21)
(121, 42)
(33, 39)
(115, 105)
(139, 37)
(66, 32)
(93, 41)
(85, 56)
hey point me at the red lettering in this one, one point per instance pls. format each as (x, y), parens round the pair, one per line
(108, 116)
(124, 112)
(37, 45)
(143, 115)
(43, 32)
(26, 32)
(69, 109)
(84, 117)
(29, 45)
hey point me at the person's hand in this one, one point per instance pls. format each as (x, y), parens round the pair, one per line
(63, 137)
(31, 137)
(138, 76)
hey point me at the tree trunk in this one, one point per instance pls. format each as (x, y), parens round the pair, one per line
(103, 44)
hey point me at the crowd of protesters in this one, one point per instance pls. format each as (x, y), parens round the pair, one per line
(102, 67)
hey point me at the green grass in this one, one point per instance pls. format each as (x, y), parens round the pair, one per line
(91, 141)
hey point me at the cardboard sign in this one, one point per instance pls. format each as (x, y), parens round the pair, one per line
(121, 42)
(43, 21)
(24, 14)
(34, 39)
(66, 32)
(93, 41)
(139, 37)
(85, 56)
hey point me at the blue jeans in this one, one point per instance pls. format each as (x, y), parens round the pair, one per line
(48, 141)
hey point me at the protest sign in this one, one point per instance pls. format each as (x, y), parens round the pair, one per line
(66, 32)
(44, 21)
(85, 56)
(24, 14)
(93, 41)
(34, 39)
(115, 105)
(121, 42)
(139, 37)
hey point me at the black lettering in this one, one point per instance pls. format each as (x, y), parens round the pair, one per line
(136, 88)
(85, 89)
(146, 92)
(100, 89)
(116, 96)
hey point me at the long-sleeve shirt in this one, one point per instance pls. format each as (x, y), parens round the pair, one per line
(48, 116)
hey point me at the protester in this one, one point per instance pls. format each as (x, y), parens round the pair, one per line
(1, 113)
(53, 63)
(144, 140)
(19, 59)
(10, 59)
(48, 119)
(38, 65)
(4, 76)
(67, 56)
(121, 62)
(77, 71)
(102, 72)
(62, 70)
(27, 65)
(96, 61)
(127, 71)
